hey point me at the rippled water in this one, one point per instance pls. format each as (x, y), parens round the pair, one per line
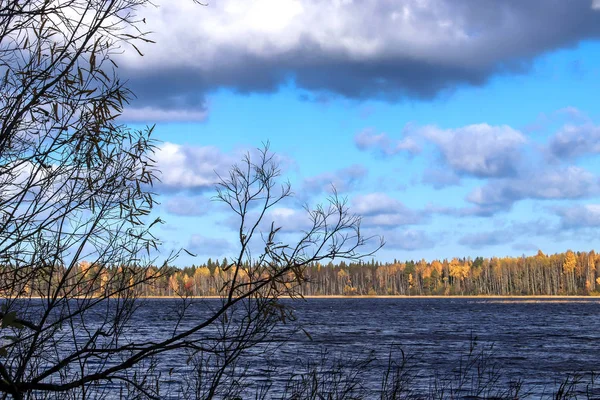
(537, 341)
(559, 336)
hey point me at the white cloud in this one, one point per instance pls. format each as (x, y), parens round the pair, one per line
(480, 150)
(189, 167)
(288, 219)
(572, 141)
(490, 238)
(213, 247)
(409, 239)
(187, 206)
(579, 216)
(433, 30)
(342, 180)
(381, 210)
(553, 184)
(440, 178)
(381, 143)
(152, 115)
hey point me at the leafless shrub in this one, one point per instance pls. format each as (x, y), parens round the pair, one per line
(76, 246)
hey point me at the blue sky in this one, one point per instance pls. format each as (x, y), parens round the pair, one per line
(455, 128)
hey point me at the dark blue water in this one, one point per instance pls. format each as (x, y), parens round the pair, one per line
(532, 337)
(537, 341)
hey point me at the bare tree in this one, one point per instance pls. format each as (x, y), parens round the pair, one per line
(265, 270)
(268, 268)
(75, 337)
(74, 186)
(76, 247)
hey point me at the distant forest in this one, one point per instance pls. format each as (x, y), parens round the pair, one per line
(566, 273)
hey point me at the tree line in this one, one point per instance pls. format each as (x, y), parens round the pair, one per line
(568, 273)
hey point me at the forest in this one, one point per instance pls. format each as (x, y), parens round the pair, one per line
(568, 273)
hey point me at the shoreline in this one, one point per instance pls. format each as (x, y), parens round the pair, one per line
(363, 297)
(518, 297)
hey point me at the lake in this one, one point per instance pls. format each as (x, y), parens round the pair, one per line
(537, 341)
(534, 342)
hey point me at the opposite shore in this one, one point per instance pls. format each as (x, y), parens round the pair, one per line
(366, 297)
(517, 297)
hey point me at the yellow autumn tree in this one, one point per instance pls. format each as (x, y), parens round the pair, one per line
(569, 265)
(540, 254)
(459, 270)
(423, 269)
(436, 267)
(202, 279)
(174, 284)
(570, 262)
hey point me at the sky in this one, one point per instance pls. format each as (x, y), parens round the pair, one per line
(455, 128)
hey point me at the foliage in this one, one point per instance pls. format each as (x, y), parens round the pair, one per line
(539, 275)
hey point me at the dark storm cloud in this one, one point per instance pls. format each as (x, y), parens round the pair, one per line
(370, 49)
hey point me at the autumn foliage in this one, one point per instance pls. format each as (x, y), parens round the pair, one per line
(566, 273)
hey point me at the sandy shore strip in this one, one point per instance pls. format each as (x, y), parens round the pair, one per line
(480, 297)
(528, 298)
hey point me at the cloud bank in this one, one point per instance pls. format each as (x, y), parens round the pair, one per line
(383, 49)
